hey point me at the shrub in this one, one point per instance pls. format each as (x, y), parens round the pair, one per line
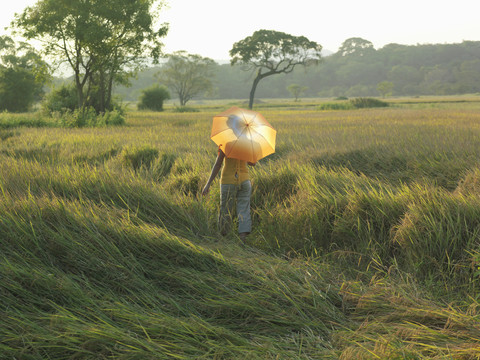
(335, 106)
(61, 100)
(114, 117)
(153, 98)
(88, 117)
(367, 103)
(182, 109)
(77, 118)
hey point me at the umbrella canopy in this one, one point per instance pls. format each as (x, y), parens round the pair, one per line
(243, 134)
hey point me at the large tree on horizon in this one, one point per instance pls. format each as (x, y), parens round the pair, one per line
(270, 52)
(355, 46)
(102, 41)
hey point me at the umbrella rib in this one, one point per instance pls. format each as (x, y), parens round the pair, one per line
(259, 134)
(251, 143)
(221, 131)
(238, 138)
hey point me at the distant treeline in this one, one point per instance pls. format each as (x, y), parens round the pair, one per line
(355, 70)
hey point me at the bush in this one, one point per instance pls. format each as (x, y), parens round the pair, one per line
(367, 103)
(153, 98)
(76, 118)
(183, 109)
(61, 100)
(114, 117)
(356, 103)
(335, 106)
(88, 117)
(64, 100)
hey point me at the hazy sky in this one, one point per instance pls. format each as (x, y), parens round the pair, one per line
(211, 27)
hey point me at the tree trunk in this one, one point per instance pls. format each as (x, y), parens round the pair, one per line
(101, 108)
(79, 87)
(254, 87)
(108, 100)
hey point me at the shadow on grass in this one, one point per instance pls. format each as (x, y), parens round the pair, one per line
(441, 169)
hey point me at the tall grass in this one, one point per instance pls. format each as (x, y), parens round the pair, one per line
(365, 224)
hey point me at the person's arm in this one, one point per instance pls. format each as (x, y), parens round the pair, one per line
(216, 168)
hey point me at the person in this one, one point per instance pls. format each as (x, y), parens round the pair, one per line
(235, 187)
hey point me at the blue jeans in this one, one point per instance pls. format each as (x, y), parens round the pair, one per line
(228, 195)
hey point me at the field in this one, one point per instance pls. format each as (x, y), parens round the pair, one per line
(366, 240)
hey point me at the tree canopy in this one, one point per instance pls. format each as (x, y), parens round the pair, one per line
(187, 75)
(270, 52)
(22, 75)
(429, 69)
(296, 90)
(103, 41)
(355, 46)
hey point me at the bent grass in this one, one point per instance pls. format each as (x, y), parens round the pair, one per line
(108, 255)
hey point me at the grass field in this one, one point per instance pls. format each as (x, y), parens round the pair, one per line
(366, 240)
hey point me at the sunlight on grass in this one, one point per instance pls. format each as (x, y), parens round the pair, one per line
(364, 244)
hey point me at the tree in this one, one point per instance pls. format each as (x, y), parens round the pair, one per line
(355, 46)
(385, 88)
(271, 52)
(296, 90)
(103, 41)
(188, 75)
(153, 97)
(22, 75)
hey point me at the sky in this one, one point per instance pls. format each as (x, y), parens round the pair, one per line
(210, 27)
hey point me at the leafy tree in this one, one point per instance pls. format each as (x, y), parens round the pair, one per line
(385, 88)
(22, 75)
(271, 52)
(355, 46)
(153, 97)
(188, 75)
(296, 90)
(103, 41)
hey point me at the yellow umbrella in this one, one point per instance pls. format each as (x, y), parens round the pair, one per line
(243, 134)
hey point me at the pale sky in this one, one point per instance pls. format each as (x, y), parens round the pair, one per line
(210, 27)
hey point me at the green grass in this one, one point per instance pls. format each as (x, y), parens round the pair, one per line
(8, 120)
(365, 240)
